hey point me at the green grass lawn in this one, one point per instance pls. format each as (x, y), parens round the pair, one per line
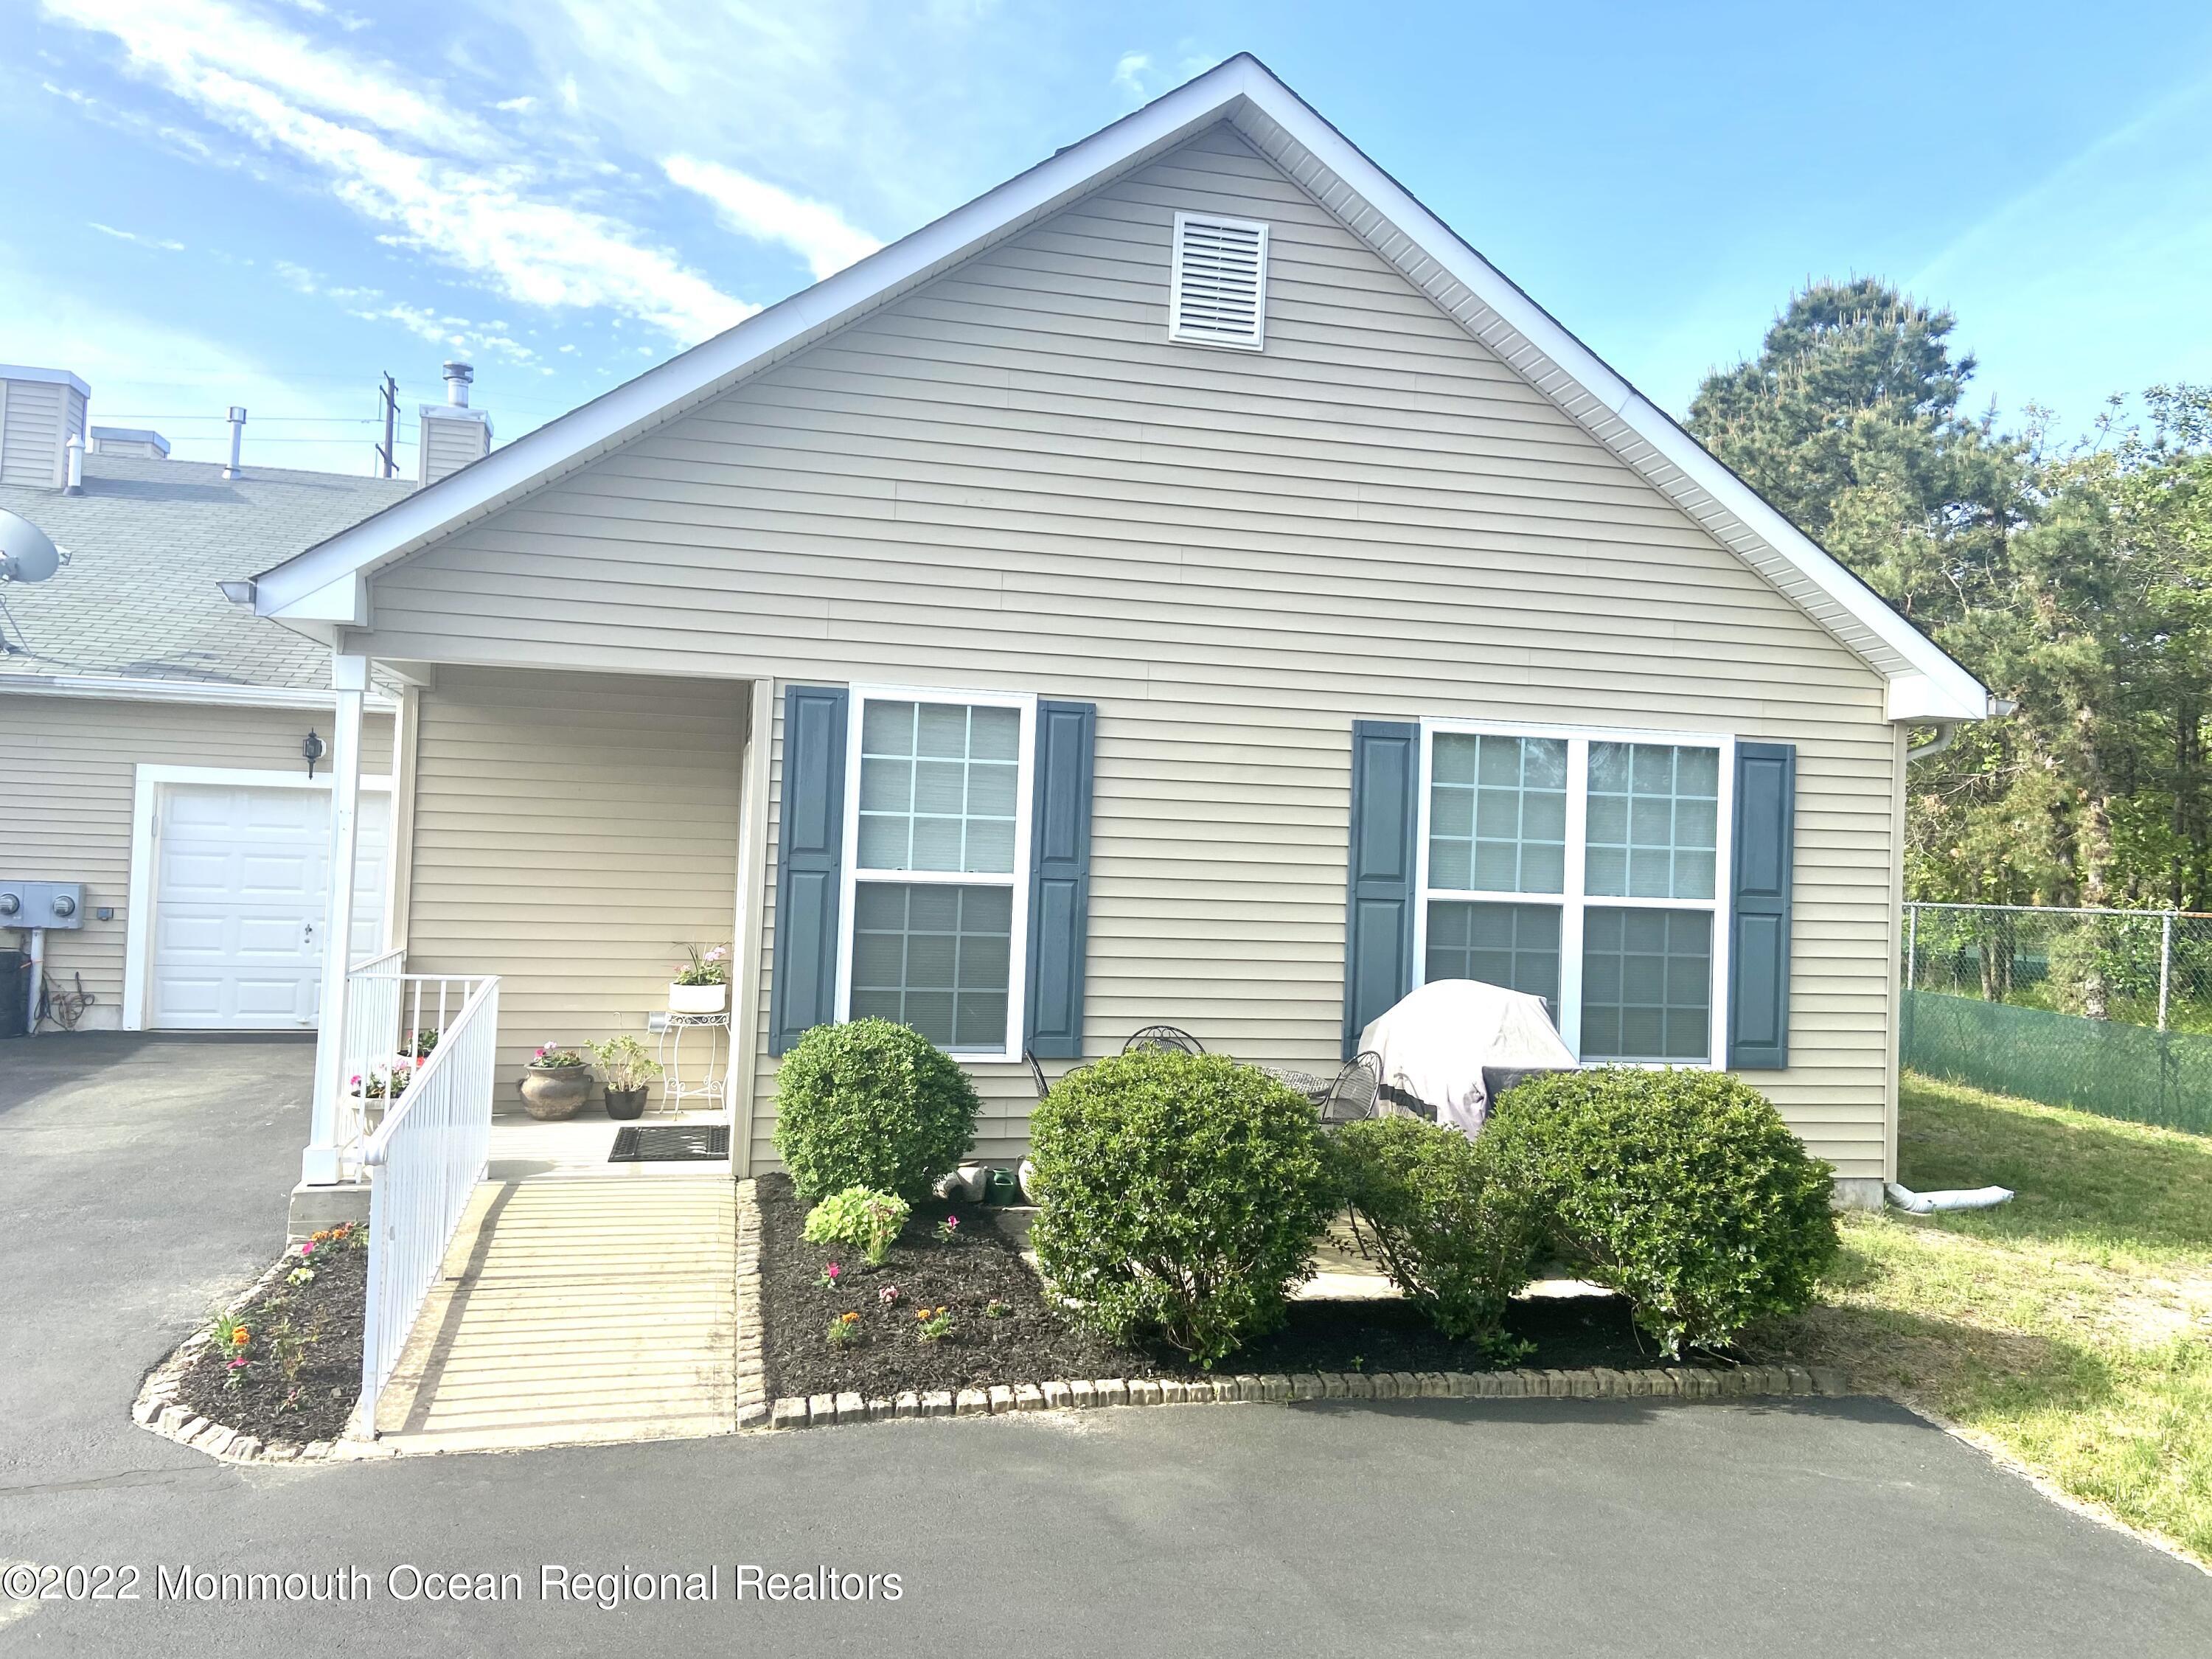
(2072, 1326)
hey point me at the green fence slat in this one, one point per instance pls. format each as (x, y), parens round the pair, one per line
(2102, 1066)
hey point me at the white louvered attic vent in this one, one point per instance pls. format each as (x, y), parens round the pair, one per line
(1217, 290)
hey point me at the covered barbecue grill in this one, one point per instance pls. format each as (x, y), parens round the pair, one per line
(1444, 1046)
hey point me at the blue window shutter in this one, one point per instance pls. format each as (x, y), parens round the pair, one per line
(810, 850)
(1758, 920)
(1378, 954)
(1060, 879)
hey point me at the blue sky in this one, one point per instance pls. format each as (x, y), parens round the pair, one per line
(268, 202)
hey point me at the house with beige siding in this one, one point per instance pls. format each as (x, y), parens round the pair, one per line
(154, 734)
(1186, 583)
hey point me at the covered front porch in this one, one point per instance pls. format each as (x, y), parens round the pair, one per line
(560, 839)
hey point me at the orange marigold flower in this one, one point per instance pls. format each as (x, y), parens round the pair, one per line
(240, 1337)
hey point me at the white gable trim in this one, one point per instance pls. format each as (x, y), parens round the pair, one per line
(1925, 683)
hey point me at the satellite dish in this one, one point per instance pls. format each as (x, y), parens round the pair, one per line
(28, 553)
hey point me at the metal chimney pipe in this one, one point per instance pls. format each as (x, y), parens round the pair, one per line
(76, 484)
(237, 437)
(457, 376)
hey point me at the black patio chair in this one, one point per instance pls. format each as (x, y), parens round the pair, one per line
(1170, 1038)
(1352, 1096)
(1037, 1076)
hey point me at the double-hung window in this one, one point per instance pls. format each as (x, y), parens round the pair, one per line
(937, 842)
(1585, 868)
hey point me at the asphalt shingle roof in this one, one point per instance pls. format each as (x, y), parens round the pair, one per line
(148, 542)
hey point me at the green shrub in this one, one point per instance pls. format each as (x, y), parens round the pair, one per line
(871, 1104)
(1456, 1238)
(1181, 1195)
(860, 1218)
(1684, 1191)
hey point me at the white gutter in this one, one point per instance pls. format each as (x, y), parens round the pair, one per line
(123, 688)
(653, 396)
(323, 584)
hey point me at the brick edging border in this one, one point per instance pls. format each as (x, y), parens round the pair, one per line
(751, 1364)
(1596, 1383)
(156, 1409)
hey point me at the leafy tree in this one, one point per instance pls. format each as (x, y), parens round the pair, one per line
(1847, 421)
(2077, 583)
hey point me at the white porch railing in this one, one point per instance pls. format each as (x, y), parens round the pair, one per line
(424, 1161)
(392, 1018)
(372, 1018)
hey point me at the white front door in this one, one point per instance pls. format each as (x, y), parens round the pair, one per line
(241, 873)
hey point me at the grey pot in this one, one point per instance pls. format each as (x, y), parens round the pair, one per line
(550, 1093)
(625, 1104)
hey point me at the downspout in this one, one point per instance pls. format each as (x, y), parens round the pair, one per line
(1947, 732)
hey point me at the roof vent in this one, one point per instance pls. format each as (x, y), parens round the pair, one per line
(41, 410)
(1218, 289)
(452, 434)
(130, 440)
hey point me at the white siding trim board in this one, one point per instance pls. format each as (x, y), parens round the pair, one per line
(1925, 682)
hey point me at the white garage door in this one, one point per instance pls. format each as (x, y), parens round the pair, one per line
(241, 875)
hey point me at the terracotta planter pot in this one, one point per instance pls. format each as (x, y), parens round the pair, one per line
(550, 1093)
(624, 1104)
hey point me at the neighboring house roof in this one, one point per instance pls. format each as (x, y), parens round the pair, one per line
(148, 542)
(325, 588)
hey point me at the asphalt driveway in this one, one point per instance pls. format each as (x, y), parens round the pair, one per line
(137, 1187)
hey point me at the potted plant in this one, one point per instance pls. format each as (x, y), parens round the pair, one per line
(554, 1082)
(704, 984)
(629, 1069)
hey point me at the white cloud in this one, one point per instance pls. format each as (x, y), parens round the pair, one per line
(436, 180)
(1129, 73)
(166, 246)
(521, 105)
(817, 232)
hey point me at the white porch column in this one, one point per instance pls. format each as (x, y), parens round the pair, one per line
(320, 1165)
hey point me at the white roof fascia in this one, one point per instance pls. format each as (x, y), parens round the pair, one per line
(1946, 690)
(690, 378)
(1925, 683)
(120, 688)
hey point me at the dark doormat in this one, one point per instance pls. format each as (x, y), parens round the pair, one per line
(670, 1143)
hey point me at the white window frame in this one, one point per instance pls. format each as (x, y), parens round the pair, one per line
(857, 700)
(1220, 342)
(1573, 900)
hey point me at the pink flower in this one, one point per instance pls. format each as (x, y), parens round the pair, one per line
(953, 1221)
(832, 1270)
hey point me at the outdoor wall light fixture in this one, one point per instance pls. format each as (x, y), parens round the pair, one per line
(311, 747)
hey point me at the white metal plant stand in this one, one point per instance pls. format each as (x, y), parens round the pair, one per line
(674, 1089)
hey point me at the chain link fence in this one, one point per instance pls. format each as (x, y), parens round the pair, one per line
(2107, 1010)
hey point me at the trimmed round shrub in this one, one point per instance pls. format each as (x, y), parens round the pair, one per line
(1456, 1238)
(1684, 1191)
(1181, 1196)
(871, 1104)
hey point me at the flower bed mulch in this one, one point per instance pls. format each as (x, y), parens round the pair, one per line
(317, 1400)
(1032, 1341)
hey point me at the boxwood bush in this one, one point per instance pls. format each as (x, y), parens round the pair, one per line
(1456, 1238)
(1181, 1196)
(1684, 1191)
(871, 1104)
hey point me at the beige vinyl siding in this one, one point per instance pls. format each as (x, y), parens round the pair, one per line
(448, 445)
(1012, 480)
(69, 769)
(34, 423)
(572, 833)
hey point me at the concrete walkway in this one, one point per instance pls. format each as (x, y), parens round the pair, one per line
(576, 1310)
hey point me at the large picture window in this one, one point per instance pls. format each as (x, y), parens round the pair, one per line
(937, 834)
(1583, 867)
